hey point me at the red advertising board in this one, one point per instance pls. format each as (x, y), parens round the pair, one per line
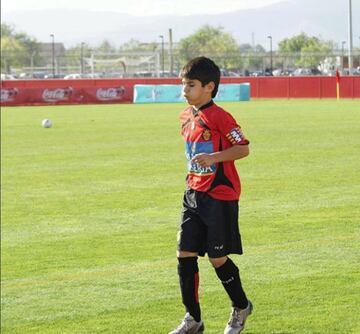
(66, 94)
(48, 92)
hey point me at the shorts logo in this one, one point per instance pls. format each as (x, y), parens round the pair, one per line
(206, 134)
(220, 247)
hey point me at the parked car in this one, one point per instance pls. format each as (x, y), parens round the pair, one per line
(96, 75)
(25, 75)
(5, 76)
(226, 73)
(144, 74)
(315, 71)
(168, 74)
(277, 72)
(301, 72)
(56, 76)
(111, 75)
(287, 72)
(306, 71)
(233, 74)
(283, 72)
(72, 76)
(39, 75)
(256, 73)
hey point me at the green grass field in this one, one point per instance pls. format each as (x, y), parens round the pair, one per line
(90, 210)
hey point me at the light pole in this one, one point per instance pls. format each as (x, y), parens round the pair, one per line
(82, 58)
(342, 53)
(32, 63)
(271, 55)
(350, 48)
(53, 54)
(171, 56)
(162, 54)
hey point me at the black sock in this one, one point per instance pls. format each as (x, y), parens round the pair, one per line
(188, 271)
(229, 276)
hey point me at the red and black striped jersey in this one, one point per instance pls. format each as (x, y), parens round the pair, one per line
(206, 130)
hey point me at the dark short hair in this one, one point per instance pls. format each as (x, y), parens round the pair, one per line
(204, 70)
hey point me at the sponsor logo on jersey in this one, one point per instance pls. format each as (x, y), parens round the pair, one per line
(194, 148)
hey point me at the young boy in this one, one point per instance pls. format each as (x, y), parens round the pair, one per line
(209, 221)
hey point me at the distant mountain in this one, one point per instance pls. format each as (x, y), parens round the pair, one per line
(322, 18)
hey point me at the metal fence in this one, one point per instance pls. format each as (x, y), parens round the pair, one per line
(161, 63)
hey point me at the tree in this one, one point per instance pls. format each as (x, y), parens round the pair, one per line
(106, 48)
(17, 49)
(308, 50)
(253, 56)
(134, 45)
(211, 42)
(75, 56)
(10, 51)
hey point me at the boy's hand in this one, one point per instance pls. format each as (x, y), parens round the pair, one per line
(233, 153)
(204, 159)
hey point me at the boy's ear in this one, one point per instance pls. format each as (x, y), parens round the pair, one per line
(210, 86)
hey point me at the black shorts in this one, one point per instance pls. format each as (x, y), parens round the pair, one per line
(209, 225)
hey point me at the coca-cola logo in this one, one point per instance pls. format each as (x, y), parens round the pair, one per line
(58, 94)
(8, 94)
(109, 94)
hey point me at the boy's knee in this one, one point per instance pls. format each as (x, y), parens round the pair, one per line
(181, 254)
(218, 262)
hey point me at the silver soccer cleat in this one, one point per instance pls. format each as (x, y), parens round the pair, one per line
(189, 326)
(237, 319)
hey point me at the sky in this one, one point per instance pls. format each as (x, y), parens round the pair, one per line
(139, 7)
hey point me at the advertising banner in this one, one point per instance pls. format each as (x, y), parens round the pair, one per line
(66, 95)
(233, 92)
(149, 90)
(173, 93)
(157, 93)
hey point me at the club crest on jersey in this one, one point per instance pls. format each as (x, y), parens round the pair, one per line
(206, 134)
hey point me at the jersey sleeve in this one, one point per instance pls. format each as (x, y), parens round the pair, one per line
(229, 128)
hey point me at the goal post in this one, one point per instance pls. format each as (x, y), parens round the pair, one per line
(124, 64)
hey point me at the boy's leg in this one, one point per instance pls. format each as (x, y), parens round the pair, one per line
(224, 238)
(229, 275)
(188, 271)
(190, 245)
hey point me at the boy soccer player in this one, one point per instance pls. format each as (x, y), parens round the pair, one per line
(209, 220)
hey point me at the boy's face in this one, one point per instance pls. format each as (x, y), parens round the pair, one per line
(196, 94)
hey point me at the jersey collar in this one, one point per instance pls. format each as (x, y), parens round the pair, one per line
(205, 106)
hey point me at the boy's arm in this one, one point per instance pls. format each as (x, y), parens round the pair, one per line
(234, 152)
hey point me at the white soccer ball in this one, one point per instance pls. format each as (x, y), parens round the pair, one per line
(46, 123)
